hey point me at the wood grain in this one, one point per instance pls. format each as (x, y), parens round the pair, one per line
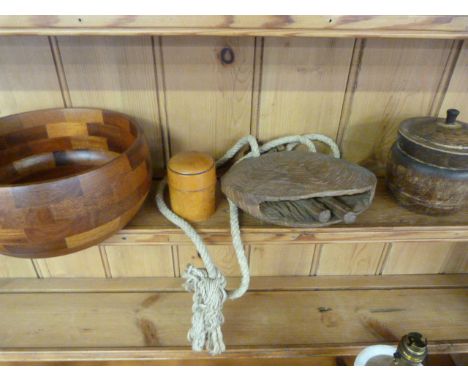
(208, 102)
(303, 84)
(191, 179)
(70, 178)
(261, 187)
(456, 95)
(398, 79)
(457, 259)
(140, 261)
(350, 259)
(86, 263)
(281, 260)
(345, 354)
(223, 256)
(251, 361)
(28, 79)
(116, 74)
(262, 283)
(277, 319)
(413, 258)
(11, 267)
(318, 26)
(383, 221)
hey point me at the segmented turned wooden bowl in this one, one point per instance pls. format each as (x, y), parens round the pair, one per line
(69, 178)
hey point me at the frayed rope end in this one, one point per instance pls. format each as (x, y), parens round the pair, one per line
(209, 295)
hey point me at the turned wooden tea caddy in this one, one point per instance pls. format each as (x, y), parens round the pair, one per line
(192, 185)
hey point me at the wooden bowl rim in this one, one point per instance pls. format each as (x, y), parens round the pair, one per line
(56, 180)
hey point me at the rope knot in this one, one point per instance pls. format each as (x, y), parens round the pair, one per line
(209, 295)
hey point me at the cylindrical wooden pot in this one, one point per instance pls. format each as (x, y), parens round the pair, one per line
(427, 170)
(69, 178)
(192, 185)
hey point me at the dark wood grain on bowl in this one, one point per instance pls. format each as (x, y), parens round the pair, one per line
(69, 178)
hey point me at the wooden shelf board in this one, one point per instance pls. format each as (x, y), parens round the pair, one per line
(446, 27)
(185, 354)
(384, 221)
(138, 325)
(264, 283)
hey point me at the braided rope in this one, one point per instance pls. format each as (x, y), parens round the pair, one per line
(209, 285)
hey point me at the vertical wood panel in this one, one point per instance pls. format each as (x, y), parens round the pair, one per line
(303, 85)
(416, 258)
(397, 79)
(28, 79)
(115, 73)
(208, 103)
(14, 267)
(457, 259)
(350, 259)
(281, 260)
(223, 256)
(86, 263)
(457, 92)
(140, 261)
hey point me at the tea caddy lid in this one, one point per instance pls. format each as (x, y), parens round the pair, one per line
(191, 163)
(441, 142)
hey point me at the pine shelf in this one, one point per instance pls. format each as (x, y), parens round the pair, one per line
(444, 27)
(384, 221)
(147, 319)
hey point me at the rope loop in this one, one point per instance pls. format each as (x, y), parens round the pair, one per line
(208, 284)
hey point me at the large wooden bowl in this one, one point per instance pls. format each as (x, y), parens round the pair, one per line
(69, 178)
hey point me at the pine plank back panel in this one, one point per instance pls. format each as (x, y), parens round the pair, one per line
(28, 77)
(116, 74)
(186, 98)
(350, 259)
(397, 79)
(456, 95)
(303, 86)
(208, 103)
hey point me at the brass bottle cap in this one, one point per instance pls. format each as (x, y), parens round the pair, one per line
(413, 348)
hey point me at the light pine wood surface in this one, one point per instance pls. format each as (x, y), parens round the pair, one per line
(281, 260)
(184, 97)
(28, 78)
(223, 256)
(140, 261)
(152, 319)
(116, 74)
(11, 267)
(86, 263)
(457, 260)
(245, 25)
(303, 85)
(208, 102)
(397, 79)
(408, 258)
(456, 96)
(350, 259)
